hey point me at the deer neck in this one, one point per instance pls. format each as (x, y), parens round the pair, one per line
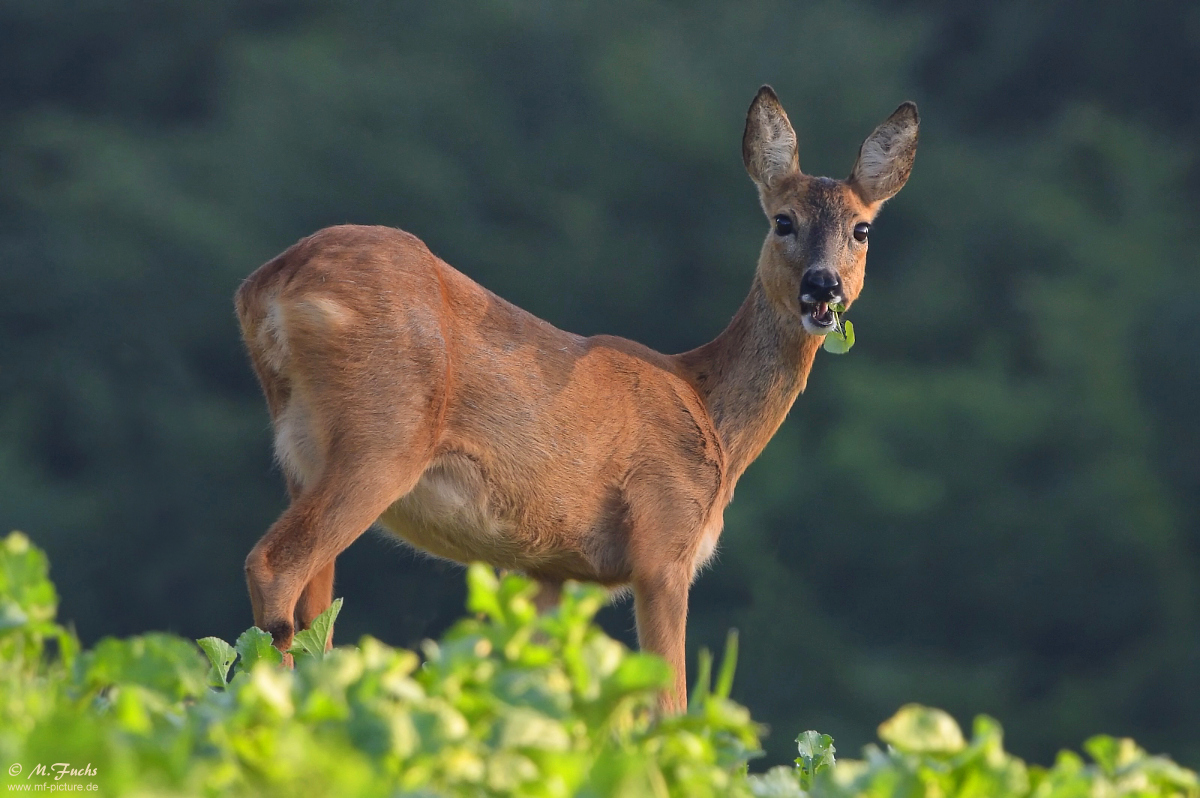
(750, 376)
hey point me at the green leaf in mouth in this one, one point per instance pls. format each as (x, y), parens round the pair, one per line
(841, 337)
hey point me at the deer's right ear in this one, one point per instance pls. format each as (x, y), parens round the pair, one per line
(769, 143)
(885, 159)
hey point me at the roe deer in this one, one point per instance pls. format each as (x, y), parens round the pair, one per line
(402, 392)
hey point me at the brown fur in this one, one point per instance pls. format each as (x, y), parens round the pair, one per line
(403, 392)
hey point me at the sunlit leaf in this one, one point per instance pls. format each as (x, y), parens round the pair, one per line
(160, 662)
(254, 646)
(838, 342)
(220, 657)
(922, 729)
(483, 590)
(816, 754)
(314, 640)
(778, 782)
(24, 579)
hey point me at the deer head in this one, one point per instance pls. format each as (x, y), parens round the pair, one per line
(816, 252)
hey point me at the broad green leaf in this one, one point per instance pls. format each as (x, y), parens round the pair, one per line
(839, 342)
(638, 672)
(1106, 751)
(254, 646)
(160, 662)
(24, 578)
(270, 690)
(220, 656)
(483, 591)
(816, 754)
(526, 728)
(778, 782)
(625, 774)
(1164, 772)
(919, 729)
(11, 615)
(313, 640)
(508, 770)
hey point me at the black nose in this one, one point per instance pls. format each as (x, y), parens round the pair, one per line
(820, 285)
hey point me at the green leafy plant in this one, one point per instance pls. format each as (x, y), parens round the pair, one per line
(927, 756)
(314, 640)
(507, 703)
(816, 755)
(839, 340)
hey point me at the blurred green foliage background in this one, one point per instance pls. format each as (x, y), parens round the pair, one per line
(992, 504)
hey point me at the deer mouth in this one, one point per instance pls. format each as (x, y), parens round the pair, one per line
(818, 317)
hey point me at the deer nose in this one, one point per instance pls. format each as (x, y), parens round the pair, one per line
(820, 285)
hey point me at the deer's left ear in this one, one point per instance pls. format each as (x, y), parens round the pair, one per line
(886, 157)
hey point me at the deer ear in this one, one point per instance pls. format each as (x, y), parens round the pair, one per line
(886, 157)
(769, 143)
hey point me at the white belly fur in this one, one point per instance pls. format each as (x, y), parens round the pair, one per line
(448, 514)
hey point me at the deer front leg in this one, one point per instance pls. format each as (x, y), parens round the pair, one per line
(660, 600)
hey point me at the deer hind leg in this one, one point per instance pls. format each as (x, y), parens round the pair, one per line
(318, 593)
(315, 598)
(351, 451)
(299, 550)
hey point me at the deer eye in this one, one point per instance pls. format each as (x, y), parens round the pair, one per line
(783, 225)
(860, 231)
